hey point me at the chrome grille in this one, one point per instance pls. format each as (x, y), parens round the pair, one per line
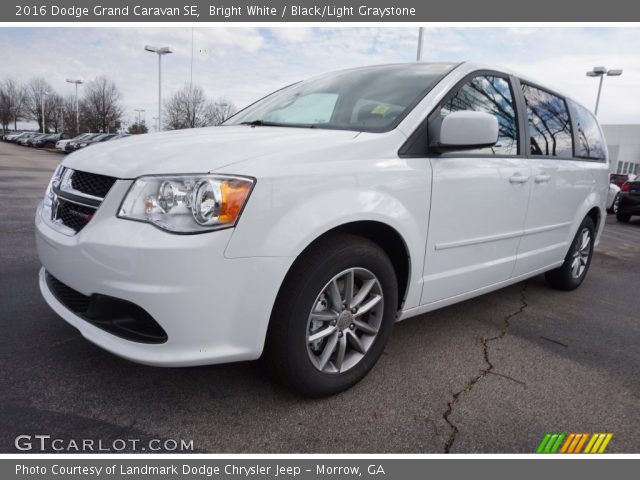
(76, 198)
(92, 183)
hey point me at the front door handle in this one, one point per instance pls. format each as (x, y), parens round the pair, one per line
(542, 178)
(518, 178)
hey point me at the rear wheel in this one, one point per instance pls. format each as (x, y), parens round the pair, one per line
(576, 264)
(333, 316)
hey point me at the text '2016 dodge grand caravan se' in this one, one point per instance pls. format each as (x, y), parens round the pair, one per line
(312, 220)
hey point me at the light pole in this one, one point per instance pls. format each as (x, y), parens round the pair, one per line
(140, 111)
(160, 52)
(77, 82)
(155, 123)
(420, 41)
(601, 72)
(44, 94)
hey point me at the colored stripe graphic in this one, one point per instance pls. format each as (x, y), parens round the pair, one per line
(543, 443)
(606, 441)
(556, 442)
(581, 443)
(556, 446)
(567, 442)
(592, 440)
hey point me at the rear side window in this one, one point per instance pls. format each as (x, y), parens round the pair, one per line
(489, 94)
(549, 124)
(590, 143)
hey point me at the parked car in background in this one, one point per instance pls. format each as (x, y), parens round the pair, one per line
(61, 144)
(629, 201)
(620, 178)
(314, 219)
(48, 140)
(75, 143)
(24, 139)
(10, 134)
(104, 137)
(30, 142)
(13, 136)
(119, 136)
(612, 198)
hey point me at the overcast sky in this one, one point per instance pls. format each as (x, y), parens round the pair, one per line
(244, 64)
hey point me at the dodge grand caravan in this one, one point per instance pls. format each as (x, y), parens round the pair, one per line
(307, 224)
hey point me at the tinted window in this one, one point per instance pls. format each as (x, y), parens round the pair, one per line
(362, 99)
(590, 143)
(549, 125)
(492, 95)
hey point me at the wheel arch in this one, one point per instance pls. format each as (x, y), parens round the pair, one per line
(383, 235)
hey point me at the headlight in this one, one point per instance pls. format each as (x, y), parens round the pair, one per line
(48, 196)
(187, 203)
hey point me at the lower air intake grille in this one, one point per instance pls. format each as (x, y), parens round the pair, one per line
(118, 317)
(73, 215)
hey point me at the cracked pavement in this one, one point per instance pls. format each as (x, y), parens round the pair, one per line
(492, 374)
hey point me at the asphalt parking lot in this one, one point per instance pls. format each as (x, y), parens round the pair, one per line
(492, 374)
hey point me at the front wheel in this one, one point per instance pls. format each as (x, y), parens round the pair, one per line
(576, 264)
(333, 316)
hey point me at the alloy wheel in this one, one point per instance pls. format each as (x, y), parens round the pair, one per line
(344, 320)
(581, 253)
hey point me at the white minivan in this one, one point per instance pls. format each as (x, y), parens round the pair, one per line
(307, 224)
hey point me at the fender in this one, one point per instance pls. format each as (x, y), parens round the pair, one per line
(594, 199)
(288, 226)
(597, 198)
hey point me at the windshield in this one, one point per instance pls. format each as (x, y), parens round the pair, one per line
(372, 99)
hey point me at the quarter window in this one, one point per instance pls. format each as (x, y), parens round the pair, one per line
(492, 95)
(589, 140)
(549, 124)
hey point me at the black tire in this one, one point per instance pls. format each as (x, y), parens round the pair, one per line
(287, 351)
(616, 202)
(621, 217)
(564, 277)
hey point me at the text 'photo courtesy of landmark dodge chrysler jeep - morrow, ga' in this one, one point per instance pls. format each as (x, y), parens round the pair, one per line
(308, 223)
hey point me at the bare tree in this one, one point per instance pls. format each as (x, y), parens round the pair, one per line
(190, 108)
(55, 117)
(38, 91)
(12, 102)
(68, 110)
(187, 108)
(101, 104)
(137, 128)
(219, 110)
(5, 111)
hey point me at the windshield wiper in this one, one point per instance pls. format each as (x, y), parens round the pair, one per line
(263, 123)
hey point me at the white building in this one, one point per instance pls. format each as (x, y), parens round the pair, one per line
(623, 142)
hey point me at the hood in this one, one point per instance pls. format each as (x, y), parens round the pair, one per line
(198, 150)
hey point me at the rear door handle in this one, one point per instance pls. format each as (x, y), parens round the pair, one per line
(518, 178)
(542, 178)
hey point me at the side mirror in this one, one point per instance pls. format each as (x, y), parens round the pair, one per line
(467, 130)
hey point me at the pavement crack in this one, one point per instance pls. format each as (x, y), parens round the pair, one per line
(488, 369)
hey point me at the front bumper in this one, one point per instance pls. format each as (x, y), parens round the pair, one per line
(629, 204)
(213, 309)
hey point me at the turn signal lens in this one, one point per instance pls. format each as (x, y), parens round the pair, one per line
(234, 195)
